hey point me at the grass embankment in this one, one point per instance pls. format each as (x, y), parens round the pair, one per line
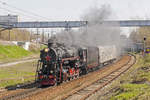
(135, 84)
(19, 73)
(10, 53)
(16, 74)
(7, 51)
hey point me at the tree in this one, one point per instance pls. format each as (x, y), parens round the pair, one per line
(16, 35)
(139, 34)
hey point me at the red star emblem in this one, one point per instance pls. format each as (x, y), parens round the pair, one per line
(48, 58)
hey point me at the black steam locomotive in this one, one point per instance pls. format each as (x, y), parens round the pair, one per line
(59, 63)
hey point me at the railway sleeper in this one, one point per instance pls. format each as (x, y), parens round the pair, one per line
(96, 83)
(84, 91)
(110, 76)
(102, 81)
(124, 68)
(117, 72)
(93, 86)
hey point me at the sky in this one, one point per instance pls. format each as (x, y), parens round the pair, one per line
(73, 9)
(64, 10)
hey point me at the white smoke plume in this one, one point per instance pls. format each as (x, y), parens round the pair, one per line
(95, 33)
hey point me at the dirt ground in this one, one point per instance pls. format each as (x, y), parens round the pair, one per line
(65, 89)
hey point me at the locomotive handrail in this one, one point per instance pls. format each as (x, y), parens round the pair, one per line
(37, 70)
(72, 58)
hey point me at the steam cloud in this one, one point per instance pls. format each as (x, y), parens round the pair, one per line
(95, 33)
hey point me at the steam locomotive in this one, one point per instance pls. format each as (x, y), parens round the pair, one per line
(59, 63)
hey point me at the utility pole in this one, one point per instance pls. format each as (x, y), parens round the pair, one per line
(9, 35)
(48, 35)
(31, 36)
(43, 35)
(37, 35)
(9, 31)
(0, 35)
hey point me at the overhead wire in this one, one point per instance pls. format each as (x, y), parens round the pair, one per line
(10, 11)
(24, 11)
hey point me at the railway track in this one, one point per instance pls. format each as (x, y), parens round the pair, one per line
(20, 91)
(81, 94)
(85, 93)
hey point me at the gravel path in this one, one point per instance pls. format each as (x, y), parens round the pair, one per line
(17, 62)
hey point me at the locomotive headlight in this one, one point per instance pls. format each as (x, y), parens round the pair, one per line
(51, 71)
(46, 50)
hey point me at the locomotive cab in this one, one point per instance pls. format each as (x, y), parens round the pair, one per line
(83, 60)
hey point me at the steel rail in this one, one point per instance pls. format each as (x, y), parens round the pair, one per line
(29, 92)
(86, 92)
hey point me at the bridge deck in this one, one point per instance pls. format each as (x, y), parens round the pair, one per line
(72, 24)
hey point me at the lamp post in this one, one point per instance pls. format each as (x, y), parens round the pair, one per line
(144, 45)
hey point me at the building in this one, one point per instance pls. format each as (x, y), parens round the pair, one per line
(8, 18)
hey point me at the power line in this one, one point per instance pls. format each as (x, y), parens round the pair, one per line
(30, 17)
(4, 3)
(34, 14)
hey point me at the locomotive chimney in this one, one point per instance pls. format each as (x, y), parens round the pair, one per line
(52, 41)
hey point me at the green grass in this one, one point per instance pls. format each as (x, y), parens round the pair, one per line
(19, 73)
(12, 52)
(16, 74)
(130, 91)
(135, 84)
